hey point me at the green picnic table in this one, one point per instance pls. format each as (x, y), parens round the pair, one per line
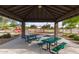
(51, 40)
(32, 37)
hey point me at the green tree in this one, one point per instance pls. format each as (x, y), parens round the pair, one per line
(0, 21)
(51, 28)
(13, 24)
(33, 26)
(4, 22)
(46, 27)
(71, 23)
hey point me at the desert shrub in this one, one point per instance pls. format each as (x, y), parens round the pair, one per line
(76, 38)
(8, 35)
(72, 35)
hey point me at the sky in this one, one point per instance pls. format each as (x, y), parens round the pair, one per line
(42, 23)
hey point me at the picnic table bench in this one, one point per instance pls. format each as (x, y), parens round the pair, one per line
(30, 38)
(58, 48)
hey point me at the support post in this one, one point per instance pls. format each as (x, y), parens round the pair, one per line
(55, 29)
(23, 29)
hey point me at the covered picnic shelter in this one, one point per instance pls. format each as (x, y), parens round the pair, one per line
(39, 13)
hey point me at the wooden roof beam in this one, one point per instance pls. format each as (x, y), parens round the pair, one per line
(15, 7)
(48, 14)
(57, 9)
(54, 11)
(63, 7)
(38, 20)
(23, 9)
(69, 14)
(24, 12)
(27, 13)
(8, 14)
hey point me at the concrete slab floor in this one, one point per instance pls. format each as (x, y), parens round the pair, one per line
(18, 46)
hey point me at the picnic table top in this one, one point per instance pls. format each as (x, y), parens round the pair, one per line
(51, 40)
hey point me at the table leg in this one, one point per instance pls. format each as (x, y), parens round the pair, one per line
(56, 42)
(49, 47)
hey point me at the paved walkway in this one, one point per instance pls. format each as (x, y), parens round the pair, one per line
(71, 48)
(18, 46)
